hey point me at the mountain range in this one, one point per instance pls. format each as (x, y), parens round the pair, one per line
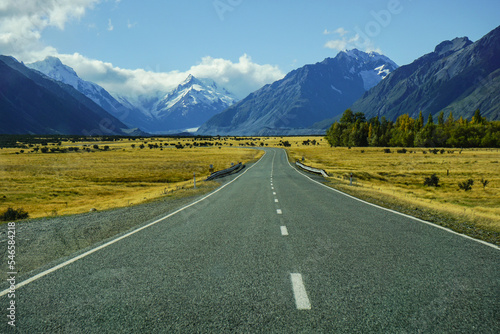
(459, 76)
(304, 97)
(32, 103)
(188, 106)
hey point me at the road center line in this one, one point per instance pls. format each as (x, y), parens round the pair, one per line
(299, 291)
(278, 211)
(284, 230)
(275, 200)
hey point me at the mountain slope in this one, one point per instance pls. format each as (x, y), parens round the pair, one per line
(31, 103)
(191, 104)
(304, 97)
(459, 76)
(55, 69)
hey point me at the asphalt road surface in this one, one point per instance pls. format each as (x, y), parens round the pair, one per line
(271, 252)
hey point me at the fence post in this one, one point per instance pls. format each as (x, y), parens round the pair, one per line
(350, 180)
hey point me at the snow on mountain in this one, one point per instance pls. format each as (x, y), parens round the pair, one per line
(306, 97)
(189, 105)
(372, 67)
(192, 92)
(55, 69)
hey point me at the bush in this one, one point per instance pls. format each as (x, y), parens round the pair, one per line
(13, 214)
(432, 181)
(466, 185)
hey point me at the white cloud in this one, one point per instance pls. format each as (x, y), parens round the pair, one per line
(131, 25)
(353, 42)
(23, 21)
(240, 78)
(339, 31)
(110, 25)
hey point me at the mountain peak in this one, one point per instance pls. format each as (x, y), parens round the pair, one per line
(54, 68)
(54, 61)
(366, 57)
(448, 47)
(190, 80)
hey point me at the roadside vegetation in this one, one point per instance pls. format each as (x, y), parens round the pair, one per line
(354, 130)
(49, 176)
(444, 186)
(454, 187)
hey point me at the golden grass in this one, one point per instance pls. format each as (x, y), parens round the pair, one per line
(67, 183)
(398, 178)
(74, 182)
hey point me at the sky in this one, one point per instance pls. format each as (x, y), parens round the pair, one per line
(133, 47)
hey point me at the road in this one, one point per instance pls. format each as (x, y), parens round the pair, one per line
(272, 252)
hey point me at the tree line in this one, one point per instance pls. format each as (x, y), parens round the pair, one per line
(354, 130)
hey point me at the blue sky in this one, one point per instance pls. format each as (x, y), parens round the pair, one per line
(242, 44)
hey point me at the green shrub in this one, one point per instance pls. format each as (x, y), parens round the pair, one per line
(466, 185)
(13, 214)
(432, 181)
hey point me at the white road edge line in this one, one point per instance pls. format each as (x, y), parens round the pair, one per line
(64, 264)
(284, 230)
(299, 291)
(393, 211)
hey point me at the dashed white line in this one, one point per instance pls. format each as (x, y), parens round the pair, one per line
(299, 291)
(278, 211)
(275, 200)
(274, 193)
(284, 230)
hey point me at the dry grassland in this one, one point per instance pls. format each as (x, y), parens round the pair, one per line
(49, 184)
(397, 179)
(66, 183)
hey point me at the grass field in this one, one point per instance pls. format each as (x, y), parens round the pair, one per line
(48, 184)
(397, 180)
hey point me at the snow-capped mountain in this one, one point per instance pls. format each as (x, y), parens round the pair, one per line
(191, 104)
(188, 106)
(55, 69)
(372, 67)
(298, 103)
(459, 76)
(33, 103)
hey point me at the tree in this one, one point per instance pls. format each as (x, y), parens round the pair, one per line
(430, 121)
(441, 118)
(347, 117)
(477, 119)
(419, 123)
(450, 120)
